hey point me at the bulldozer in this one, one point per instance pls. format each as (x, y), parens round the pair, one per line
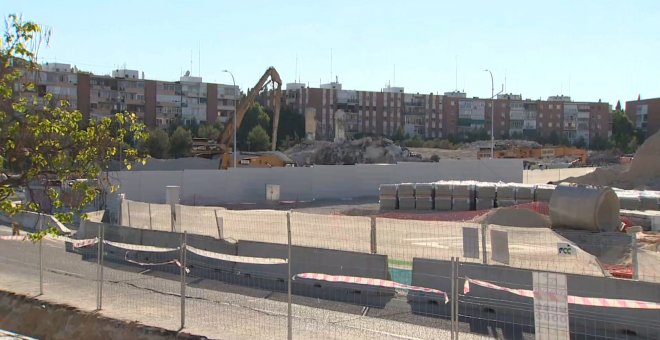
(271, 158)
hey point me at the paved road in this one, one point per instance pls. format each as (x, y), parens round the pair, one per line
(213, 309)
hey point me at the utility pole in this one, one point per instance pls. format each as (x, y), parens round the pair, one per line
(492, 115)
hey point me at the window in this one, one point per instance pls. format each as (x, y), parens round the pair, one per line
(550, 124)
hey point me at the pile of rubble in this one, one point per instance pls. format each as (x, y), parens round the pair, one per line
(644, 172)
(502, 143)
(364, 150)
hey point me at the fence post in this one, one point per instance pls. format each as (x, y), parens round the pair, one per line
(288, 260)
(99, 268)
(150, 226)
(456, 290)
(632, 231)
(484, 253)
(219, 223)
(184, 239)
(451, 297)
(128, 212)
(40, 222)
(374, 249)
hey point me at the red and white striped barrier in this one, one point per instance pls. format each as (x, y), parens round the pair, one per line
(14, 238)
(367, 281)
(174, 261)
(572, 299)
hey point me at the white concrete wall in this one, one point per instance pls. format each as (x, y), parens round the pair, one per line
(208, 187)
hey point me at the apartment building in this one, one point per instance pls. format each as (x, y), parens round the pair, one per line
(645, 114)
(368, 112)
(450, 114)
(156, 102)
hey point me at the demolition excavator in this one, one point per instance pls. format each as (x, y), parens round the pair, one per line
(255, 159)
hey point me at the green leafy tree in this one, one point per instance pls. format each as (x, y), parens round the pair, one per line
(258, 139)
(193, 126)
(623, 130)
(399, 135)
(43, 141)
(256, 115)
(600, 143)
(180, 142)
(291, 127)
(208, 132)
(580, 143)
(158, 143)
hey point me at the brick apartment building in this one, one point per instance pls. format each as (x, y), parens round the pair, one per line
(371, 112)
(451, 114)
(156, 102)
(645, 114)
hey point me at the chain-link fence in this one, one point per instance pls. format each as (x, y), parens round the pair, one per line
(278, 274)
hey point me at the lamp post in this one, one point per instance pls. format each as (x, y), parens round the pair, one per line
(235, 108)
(492, 115)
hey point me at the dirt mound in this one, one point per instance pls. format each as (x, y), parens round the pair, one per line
(643, 173)
(515, 218)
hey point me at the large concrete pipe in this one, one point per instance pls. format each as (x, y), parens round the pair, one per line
(584, 207)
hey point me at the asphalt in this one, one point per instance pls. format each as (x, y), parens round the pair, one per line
(218, 309)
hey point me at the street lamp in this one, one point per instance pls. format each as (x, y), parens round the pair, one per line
(235, 108)
(492, 115)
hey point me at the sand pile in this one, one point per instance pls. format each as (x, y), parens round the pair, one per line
(515, 218)
(643, 173)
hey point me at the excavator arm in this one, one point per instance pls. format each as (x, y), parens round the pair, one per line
(270, 76)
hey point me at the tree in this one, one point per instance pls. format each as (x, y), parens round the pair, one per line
(398, 135)
(580, 143)
(208, 132)
(256, 115)
(193, 126)
(158, 143)
(258, 139)
(180, 142)
(435, 158)
(600, 143)
(43, 141)
(623, 130)
(291, 127)
(553, 138)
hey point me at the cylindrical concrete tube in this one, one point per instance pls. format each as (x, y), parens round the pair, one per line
(584, 207)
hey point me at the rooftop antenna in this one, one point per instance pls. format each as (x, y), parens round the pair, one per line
(456, 72)
(569, 85)
(296, 77)
(504, 80)
(331, 65)
(190, 60)
(394, 76)
(199, 56)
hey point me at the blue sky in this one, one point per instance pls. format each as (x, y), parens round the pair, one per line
(591, 50)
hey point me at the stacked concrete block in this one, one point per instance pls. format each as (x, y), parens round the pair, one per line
(387, 196)
(424, 196)
(406, 195)
(485, 195)
(649, 200)
(524, 193)
(629, 199)
(506, 195)
(443, 194)
(463, 196)
(543, 192)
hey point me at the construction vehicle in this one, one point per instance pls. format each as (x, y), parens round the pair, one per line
(225, 143)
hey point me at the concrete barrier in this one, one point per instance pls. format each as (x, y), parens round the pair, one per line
(29, 222)
(314, 260)
(506, 307)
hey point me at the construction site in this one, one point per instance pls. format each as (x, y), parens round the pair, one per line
(365, 238)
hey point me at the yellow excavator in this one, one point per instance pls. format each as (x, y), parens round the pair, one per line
(255, 159)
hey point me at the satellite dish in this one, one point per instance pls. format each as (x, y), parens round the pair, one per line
(187, 73)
